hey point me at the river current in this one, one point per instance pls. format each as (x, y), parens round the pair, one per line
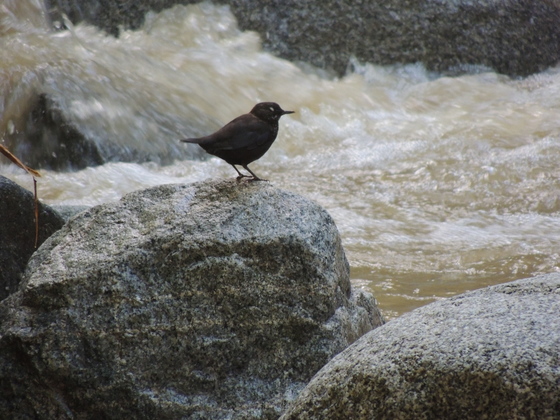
(437, 184)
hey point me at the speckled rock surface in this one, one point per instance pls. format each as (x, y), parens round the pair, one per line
(214, 300)
(17, 231)
(493, 353)
(514, 37)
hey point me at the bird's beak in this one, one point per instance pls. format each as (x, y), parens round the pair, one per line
(287, 112)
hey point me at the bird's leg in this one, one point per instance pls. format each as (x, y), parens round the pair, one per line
(255, 178)
(240, 174)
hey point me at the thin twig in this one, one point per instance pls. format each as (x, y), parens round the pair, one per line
(36, 212)
(33, 174)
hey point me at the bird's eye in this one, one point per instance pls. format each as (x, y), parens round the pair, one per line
(271, 109)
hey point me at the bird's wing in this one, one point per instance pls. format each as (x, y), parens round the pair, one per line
(245, 132)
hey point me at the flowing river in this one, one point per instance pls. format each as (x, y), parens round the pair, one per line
(437, 184)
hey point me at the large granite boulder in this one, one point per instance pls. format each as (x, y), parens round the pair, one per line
(489, 354)
(17, 232)
(204, 301)
(514, 37)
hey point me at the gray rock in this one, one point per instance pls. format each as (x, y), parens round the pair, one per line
(211, 300)
(513, 37)
(69, 211)
(17, 232)
(492, 353)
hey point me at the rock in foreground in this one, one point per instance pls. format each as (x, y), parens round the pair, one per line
(489, 354)
(212, 301)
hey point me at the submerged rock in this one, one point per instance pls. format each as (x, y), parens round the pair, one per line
(513, 37)
(492, 353)
(17, 232)
(50, 140)
(49, 137)
(211, 300)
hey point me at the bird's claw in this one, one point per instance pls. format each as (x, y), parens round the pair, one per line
(251, 178)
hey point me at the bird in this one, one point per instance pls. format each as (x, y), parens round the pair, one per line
(244, 139)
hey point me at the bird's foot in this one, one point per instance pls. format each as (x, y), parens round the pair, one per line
(256, 178)
(240, 177)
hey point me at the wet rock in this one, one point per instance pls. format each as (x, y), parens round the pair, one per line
(17, 232)
(513, 37)
(492, 353)
(210, 300)
(49, 138)
(51, 141)
(443, 35)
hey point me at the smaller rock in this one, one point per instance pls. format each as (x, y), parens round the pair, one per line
(492, 353)
(17, 232)
(69, 211)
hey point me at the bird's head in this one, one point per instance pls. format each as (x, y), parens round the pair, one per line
(269, 111)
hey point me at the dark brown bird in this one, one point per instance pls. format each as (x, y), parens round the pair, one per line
(246, 138)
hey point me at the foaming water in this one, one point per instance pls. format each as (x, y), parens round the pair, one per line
(438, 185)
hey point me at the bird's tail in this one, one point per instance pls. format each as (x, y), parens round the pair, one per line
(198, 140)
